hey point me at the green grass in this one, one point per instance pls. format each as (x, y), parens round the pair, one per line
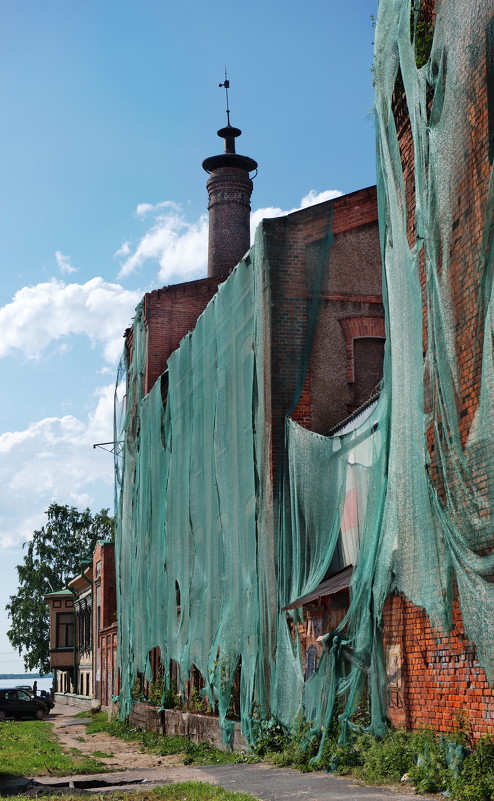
(185, 791)
(29, 748)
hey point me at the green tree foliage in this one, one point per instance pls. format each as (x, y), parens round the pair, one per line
(54, 556)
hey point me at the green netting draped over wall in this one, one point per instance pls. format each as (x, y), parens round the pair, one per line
(428, 525)
(428, 522)
(193, 572)
(204, 567)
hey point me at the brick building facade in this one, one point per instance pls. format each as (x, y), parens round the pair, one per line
(324, 331)
(104, 623)
(83, 630)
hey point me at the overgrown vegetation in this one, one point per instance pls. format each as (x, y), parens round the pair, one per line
(431, 763)
(199, 754)
(422, 36)
(157, 694)
(29, 748)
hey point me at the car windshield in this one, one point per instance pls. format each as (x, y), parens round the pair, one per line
(23, 695)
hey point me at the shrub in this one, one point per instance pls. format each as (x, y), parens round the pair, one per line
(268, 736)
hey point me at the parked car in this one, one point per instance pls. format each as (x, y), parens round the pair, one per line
(17, 703)
(46, 698)
(43, 695)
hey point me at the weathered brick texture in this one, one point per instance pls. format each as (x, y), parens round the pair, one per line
(442, 683)
(169, 314)
(297, 249)
(105, 678)
(229, 190)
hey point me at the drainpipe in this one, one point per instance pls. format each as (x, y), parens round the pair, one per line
(91, 632)
(76, 683)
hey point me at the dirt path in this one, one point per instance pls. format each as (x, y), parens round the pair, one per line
(124, 756)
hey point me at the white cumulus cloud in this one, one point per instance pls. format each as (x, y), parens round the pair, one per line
(177, 246)
(48, 313)
(123, 250)
(313, 197)
(53, 460)
(146, 208)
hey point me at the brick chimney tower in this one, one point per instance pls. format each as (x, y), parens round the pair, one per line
(229, 189)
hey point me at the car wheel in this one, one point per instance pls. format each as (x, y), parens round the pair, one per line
(40, 713)
(2, 714)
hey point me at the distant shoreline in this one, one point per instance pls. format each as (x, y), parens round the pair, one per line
(25, 676)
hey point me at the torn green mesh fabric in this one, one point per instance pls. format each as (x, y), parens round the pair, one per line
(428, 526)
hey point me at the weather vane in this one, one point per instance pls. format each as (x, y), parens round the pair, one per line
(226, 86)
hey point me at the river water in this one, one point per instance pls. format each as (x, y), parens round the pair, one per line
(43, 684)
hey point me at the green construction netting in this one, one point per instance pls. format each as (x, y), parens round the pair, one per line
(428, 527)
(209, 548)
(193, 576)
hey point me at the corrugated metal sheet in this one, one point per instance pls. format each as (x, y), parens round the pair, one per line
(340, 581)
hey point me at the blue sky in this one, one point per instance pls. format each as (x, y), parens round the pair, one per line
(109, 108)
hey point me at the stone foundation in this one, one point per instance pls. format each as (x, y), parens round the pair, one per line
(70, 699)
(196, 728)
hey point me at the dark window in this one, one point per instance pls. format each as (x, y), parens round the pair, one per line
(65, 630)
(310, 662)
(84, 630)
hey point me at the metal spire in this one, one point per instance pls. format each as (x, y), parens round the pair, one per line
(229, 158)
(226, 86)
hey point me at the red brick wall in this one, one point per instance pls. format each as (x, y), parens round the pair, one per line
(294, 248)
(440, 674)
(169, 314)
(104, 637)
(104, 575)
(441, 679)
(109, 685)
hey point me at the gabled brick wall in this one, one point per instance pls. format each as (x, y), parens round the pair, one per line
(169, 314)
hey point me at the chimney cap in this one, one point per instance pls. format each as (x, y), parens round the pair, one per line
(229, 160)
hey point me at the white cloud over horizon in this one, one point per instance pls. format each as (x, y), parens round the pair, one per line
(178, 246)
(53, 460)
(46, 313)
